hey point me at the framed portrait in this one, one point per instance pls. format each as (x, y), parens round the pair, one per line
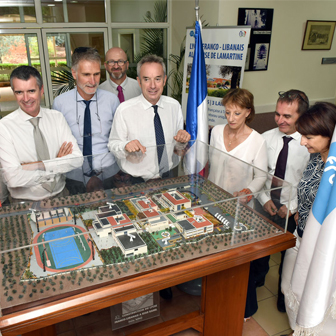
(318, 35)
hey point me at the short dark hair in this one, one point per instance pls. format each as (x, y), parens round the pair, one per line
(151, 59)
(320, 119)
(242, 98)
(293, 95)
(24, 72)
(84, 53)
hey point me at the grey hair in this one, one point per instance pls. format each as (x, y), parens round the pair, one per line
(84, 53)
(151, 59)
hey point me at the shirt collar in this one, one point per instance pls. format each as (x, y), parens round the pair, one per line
(114, 85)
(25, 116)
(80, 98)
(295, 136)
(147, 105)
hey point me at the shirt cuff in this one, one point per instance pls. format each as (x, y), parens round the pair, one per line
(263, 198)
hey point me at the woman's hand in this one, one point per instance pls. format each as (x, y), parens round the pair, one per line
(296, 218)
(243, 192)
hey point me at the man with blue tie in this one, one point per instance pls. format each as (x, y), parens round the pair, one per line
(148, 120)
(148, 128)
(89, 112)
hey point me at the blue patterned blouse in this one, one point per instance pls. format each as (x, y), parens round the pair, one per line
(307, 189)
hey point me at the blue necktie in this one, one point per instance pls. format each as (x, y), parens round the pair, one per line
(87, 137)
(159, 135)
(160, 143)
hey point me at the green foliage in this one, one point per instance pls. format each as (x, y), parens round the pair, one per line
(153, 39)
(62, 81)
(175, 76)
(217, 93)
(8, 41)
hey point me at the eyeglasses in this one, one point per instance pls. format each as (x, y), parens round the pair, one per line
(120, 62)
(292, 96)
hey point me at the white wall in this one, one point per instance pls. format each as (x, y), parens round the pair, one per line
(289, 67)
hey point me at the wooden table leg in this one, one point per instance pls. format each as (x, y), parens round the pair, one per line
(46, 331)
(223, 301)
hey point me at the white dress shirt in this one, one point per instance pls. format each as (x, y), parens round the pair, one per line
(17, 146)
(297, 161)
(134, 120)
(102, 109)
(129, 86)
(232, 174)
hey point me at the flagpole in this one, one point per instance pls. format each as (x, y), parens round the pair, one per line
(197, 9)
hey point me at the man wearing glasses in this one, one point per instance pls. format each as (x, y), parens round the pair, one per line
(89, 112)
(283, 139)
(116, 64)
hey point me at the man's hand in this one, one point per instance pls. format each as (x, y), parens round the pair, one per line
(94, 184)
(270, 208)
(282, 212)
(135, 146)
(182, 136)
(65, 149)
(135, 157)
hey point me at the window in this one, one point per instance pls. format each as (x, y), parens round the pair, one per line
(17, 11)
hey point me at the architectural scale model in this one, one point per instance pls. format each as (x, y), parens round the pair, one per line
(51, 250)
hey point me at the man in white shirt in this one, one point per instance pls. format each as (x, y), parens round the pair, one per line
(116, 64)
(33, 171)
(133, 137)
(290, 106)
(89, 112)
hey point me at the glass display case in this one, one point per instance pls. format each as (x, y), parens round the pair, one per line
(154, 216)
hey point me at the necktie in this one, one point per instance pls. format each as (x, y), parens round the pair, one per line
(41, 149)
(87, 137)
(160, 143)
(280, 170)
(120, 94)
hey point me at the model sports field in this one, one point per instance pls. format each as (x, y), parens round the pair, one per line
(67, 253)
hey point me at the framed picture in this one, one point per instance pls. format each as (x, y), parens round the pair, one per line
(318, 35)
(260, 20)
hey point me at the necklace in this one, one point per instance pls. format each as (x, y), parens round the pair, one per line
(231, 140)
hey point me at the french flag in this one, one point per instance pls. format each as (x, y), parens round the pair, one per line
(197, 109)
(314, 278)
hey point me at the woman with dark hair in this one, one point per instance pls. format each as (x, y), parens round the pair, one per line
(316, 127)
(239, 140)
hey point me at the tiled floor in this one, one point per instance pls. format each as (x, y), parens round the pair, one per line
(266, 322)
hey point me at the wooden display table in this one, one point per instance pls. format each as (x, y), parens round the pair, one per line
(225, 278)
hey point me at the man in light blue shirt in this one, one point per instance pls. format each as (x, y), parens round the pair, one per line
(89, 112)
